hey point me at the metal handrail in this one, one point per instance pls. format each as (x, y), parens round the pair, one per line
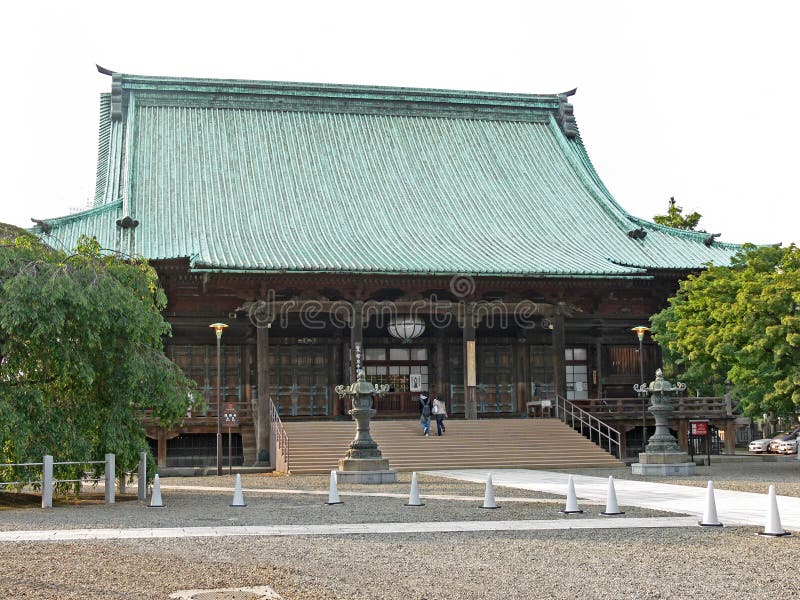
(575, 416)
(278, 440)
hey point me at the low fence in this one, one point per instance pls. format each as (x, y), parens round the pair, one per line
(48, 481)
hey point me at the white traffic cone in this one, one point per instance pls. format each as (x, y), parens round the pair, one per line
(155, 498)
(333, 493)
(710, 515)
(238, 497)
(572, 501)
(612, 508)
(773, 524)
(488, 496)
(413, 497)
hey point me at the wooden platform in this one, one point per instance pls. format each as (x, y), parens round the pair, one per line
(316, 447)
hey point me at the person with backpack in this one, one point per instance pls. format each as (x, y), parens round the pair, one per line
(440, 412)
(425, 414)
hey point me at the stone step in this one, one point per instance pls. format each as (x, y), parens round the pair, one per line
(316, 447)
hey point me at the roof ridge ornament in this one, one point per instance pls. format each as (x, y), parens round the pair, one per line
(638, 234)
(127, 223)
(565, 116)
(43, 225)
(710, 238)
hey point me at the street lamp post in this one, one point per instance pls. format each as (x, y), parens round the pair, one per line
(218, 327)
(640, 330)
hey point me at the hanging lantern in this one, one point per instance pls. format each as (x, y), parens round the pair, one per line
(406, 329)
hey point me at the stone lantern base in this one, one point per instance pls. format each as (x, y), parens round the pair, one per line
(365, 470)
(663, 464)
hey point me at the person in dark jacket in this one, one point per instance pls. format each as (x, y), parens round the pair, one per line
(425, 414)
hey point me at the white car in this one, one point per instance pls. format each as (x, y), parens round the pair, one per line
(759, 446)
(787, 447)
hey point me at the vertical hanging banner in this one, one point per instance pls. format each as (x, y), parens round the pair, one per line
(471, 378)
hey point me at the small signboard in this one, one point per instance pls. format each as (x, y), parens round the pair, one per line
(230, 415)
(415, 382)
(699, 427)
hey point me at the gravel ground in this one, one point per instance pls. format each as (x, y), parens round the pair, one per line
(730, 562)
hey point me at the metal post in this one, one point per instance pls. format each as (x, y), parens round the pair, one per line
(641, 381)
(218, 327)
(142, 483)
(230, 452)
(111, 479)
(47, 481)
(219, 405)
(640, 330)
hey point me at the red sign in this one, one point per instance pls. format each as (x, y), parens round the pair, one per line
(700, 428)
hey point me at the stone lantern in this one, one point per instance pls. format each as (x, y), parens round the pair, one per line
(363, 463)
(663, 455)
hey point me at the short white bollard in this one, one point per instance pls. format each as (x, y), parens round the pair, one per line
(47, 481)
(772, 527)
(238, 496)
(710, 515)
(612, 507)
(333, 492)
(155, 499)
(111, 478)
(572, 500)
(488, 495)
(413, 497)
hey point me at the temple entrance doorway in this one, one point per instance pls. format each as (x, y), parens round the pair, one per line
(405, 369)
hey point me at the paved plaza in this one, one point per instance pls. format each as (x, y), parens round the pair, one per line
(289, 541)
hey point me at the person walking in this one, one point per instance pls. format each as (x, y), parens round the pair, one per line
(440, 412)
(425, 414)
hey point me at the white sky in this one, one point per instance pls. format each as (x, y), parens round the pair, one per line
(697, 100)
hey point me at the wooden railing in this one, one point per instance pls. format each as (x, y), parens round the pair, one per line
(689, 407)
(209, 415)
(278, 441)
(590, 426)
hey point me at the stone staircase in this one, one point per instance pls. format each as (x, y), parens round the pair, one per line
(316, 447)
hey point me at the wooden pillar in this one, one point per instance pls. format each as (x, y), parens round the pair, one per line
(161, 459)
(470, 364)
(559, 366)
(730, 436)
(441, 366)
(333, 378)
(345, 368)
(247, 360)
(522, 363)
(262, 414)
(356, 337)
(598, 349)
(683, 435)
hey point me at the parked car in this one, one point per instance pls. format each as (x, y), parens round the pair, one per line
(788, 447)
(780, 438)
(759, 446)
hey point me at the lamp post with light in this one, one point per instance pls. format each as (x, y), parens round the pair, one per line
(640, 330)
(218, 328)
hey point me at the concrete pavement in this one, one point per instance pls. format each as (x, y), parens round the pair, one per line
(733, 508)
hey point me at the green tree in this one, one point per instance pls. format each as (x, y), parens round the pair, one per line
(675, 217)
(739, 324)
(81, 354)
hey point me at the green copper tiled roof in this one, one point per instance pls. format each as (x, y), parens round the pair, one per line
(296, 177)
